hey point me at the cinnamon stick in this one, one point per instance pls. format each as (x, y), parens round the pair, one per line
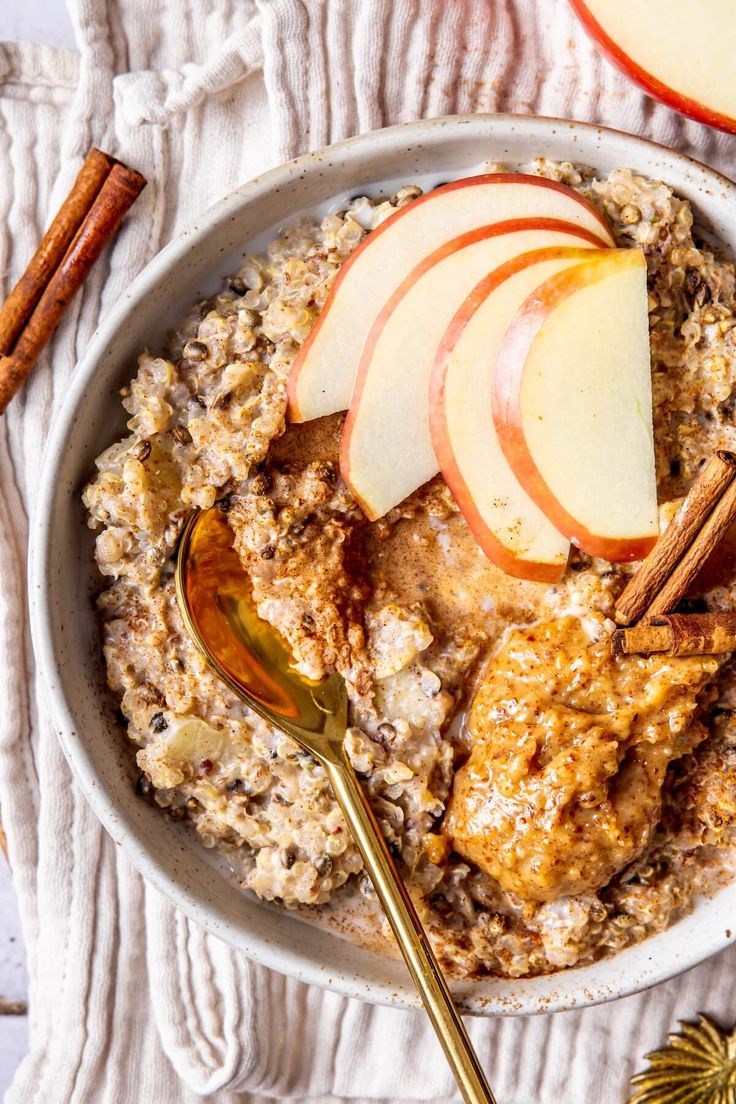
(679, 634)
(691, 564)
(678, 537)
(118, 193)
(22, 300)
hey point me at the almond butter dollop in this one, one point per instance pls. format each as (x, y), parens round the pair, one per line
(563, 786)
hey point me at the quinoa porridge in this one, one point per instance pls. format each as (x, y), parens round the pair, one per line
(549, 804)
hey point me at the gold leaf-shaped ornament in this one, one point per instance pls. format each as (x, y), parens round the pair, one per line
(698, 1066)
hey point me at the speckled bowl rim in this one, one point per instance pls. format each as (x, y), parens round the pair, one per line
(332, 963)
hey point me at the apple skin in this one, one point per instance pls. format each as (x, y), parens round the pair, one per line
(651, 84)
(492, 230)
(508, 373)
(496, 552)
(293, 410)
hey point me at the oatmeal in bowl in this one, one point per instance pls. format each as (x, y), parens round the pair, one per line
(549, 803)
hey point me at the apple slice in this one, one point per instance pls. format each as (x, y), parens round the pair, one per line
(387, 449)
(510, 528)
(323, 374)
(682, 53)
(572, 404)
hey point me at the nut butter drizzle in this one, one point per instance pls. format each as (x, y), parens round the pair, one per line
(703, 519)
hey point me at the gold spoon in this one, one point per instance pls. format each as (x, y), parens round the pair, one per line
(214, 596)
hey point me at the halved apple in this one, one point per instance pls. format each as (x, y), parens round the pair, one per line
(323, 374)
(510, 528)
(572, 404)
(387, 449)
(680, 52)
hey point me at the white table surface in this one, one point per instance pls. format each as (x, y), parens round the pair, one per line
(36, 21)
(45, 21)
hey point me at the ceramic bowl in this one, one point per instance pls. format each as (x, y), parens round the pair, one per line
(62, 576)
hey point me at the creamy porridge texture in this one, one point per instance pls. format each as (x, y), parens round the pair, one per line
(549, 804)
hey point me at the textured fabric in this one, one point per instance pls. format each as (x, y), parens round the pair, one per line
(130, 1003)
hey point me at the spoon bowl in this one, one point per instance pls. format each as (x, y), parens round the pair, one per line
(216, 602)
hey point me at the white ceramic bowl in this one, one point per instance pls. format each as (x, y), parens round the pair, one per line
(62, 576)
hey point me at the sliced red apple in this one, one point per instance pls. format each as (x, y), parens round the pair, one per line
(572, 404)
(510, 528)
(387, 449)
(680, 52)
(323, 374)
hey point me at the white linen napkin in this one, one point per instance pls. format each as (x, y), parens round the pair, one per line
(130, 1003)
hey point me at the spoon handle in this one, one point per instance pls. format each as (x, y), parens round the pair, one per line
(410, 935)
